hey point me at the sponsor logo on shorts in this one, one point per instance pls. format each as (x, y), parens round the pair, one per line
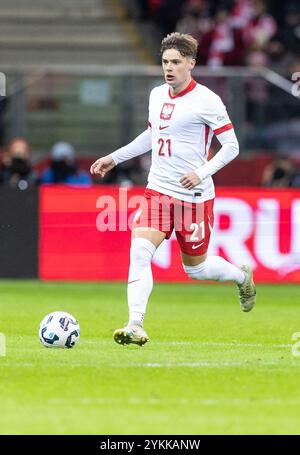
(194, 247)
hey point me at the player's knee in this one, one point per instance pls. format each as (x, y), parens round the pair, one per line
(141, 251)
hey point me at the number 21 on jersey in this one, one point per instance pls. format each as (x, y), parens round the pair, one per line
(164, 147)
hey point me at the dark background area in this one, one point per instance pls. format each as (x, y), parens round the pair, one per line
(18, 233)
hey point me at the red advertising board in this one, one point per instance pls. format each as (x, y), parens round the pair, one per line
(84, 233)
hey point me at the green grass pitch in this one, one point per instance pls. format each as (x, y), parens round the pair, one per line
(208, 369)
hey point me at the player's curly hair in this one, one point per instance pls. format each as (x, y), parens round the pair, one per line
(182, 42)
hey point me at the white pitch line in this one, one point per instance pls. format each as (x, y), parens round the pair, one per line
(206, 364)
(221, 343)
(203, 343)
(181, 401)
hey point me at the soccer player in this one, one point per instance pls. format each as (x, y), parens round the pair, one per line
(183, 117)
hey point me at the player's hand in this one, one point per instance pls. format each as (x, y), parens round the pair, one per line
(190, 180)
(102, 166)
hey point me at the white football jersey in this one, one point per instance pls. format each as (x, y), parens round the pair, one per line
(182, 128)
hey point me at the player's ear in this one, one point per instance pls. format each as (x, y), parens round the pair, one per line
(192, 63)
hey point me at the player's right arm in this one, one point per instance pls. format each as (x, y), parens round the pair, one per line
(102, 165)
(138, 146)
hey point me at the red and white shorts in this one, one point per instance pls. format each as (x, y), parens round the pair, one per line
(192, 222)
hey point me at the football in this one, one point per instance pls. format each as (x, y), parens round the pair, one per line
(59, 330)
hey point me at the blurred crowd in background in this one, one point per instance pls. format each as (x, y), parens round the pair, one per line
(234, 32)
(17, 170)
(63, 167)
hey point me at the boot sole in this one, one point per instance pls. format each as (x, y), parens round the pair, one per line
(122, 337)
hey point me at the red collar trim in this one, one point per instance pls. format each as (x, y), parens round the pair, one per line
(188, 89)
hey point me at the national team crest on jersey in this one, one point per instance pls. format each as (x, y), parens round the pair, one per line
(167, 111)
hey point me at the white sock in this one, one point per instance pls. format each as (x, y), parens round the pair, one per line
(140, 280)
(215, 268)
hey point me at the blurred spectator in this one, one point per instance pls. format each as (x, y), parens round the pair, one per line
(281, 173)
(196, 19)
(261, 27)
(222, 44)
(257, 89)
(229, 30)
(241, 13)
(17, 170)
(279, 58)
(63, 167)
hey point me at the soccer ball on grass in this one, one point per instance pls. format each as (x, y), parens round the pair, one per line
(59, 330)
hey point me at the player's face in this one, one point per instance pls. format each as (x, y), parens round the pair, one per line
(177, 69)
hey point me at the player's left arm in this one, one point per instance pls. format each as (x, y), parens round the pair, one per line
(222, 127)
(228, 151)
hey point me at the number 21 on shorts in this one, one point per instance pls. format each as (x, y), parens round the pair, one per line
(195, 234)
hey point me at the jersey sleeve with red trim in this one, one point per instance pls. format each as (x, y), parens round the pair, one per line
(214, 114)
(228, 151)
